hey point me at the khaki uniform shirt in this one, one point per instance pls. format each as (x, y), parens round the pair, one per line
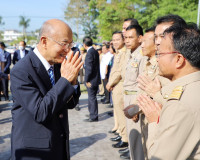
(115, 74)
(133, 70)
(177, 134)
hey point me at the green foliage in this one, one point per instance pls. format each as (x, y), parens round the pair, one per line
(80, 13)
(99, 16)
(149, 11)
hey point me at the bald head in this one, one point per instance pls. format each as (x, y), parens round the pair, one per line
(52, 27)
(55, 40)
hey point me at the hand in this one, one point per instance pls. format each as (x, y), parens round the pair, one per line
(88, 84)
(70, 67)
(8, 76)
(151, 87)
(150, 108)
(108, 87)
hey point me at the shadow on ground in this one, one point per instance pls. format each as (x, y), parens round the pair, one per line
(79, 144)
(4, 137)
(5, 107)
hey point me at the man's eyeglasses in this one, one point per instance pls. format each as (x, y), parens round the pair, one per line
(64, 45)
(163, 53)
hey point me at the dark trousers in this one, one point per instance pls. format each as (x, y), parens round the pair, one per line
(5, 88)
(92, 102)
(107, 94)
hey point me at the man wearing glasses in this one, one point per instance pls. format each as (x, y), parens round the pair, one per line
(173, 132)
(42, 94)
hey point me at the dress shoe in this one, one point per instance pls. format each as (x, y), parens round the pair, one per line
(91, 120)
(77, 108)
(118, 138)
(109, 106)
(100, 95)
(123, 150)
(105, 102)
(120, 144)
(116, 133)
(125, 155)
(112, 131)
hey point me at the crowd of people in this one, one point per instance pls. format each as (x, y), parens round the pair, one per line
(5, 63)
(151, 80)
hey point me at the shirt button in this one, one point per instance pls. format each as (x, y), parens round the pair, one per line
(61, 116)
(61, 135)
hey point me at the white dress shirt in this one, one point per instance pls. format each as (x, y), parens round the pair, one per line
(104, 63)
(22, 53)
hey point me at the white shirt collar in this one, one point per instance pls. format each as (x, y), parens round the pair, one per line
(89, 48)
(42, 59)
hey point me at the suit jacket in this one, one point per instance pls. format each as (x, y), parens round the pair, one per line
(7, 63)
(40, 111)
(17, 57)
(92, 72)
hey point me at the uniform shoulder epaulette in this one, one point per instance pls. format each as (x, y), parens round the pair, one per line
(177, 93)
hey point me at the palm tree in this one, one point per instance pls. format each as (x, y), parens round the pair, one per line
(1, 22)
(24, 23)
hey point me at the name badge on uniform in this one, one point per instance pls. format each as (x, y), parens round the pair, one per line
(176, 93)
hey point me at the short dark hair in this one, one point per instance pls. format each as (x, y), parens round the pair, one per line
(23, 42)
(175, 19)
(107, 44)
(132, 20)
(118, 32)
(2, 44)
(151, 29)
(186, 40)
(87, 41)
(138, 29)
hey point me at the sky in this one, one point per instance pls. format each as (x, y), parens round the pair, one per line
(37, 11)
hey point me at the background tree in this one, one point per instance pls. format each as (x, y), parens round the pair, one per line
(24, 23)
(79, 12)
(103, 17)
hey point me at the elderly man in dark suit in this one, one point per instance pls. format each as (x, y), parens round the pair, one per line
(42, 94)
(92, 78)
(20, 53)
(6, 69)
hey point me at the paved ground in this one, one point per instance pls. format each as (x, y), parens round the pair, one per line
(88, 141)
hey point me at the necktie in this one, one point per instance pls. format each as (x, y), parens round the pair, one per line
(51, 75)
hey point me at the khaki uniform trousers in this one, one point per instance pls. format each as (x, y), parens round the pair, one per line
(134, 133)
(118, 102)
(101, 88)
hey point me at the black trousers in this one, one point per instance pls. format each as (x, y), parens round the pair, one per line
(5, 88)
(92, 102)
(107, 94)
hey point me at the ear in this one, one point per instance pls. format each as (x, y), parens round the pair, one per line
(43, 41)
(140, 38)
(180, 61)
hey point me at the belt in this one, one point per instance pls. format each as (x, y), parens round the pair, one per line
(130, 92)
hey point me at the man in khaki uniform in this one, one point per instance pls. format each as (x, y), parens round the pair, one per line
(152, 88)
(133, 40)
(116, 83)
(178, 121)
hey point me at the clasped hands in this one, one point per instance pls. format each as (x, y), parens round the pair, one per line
(70, 67)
